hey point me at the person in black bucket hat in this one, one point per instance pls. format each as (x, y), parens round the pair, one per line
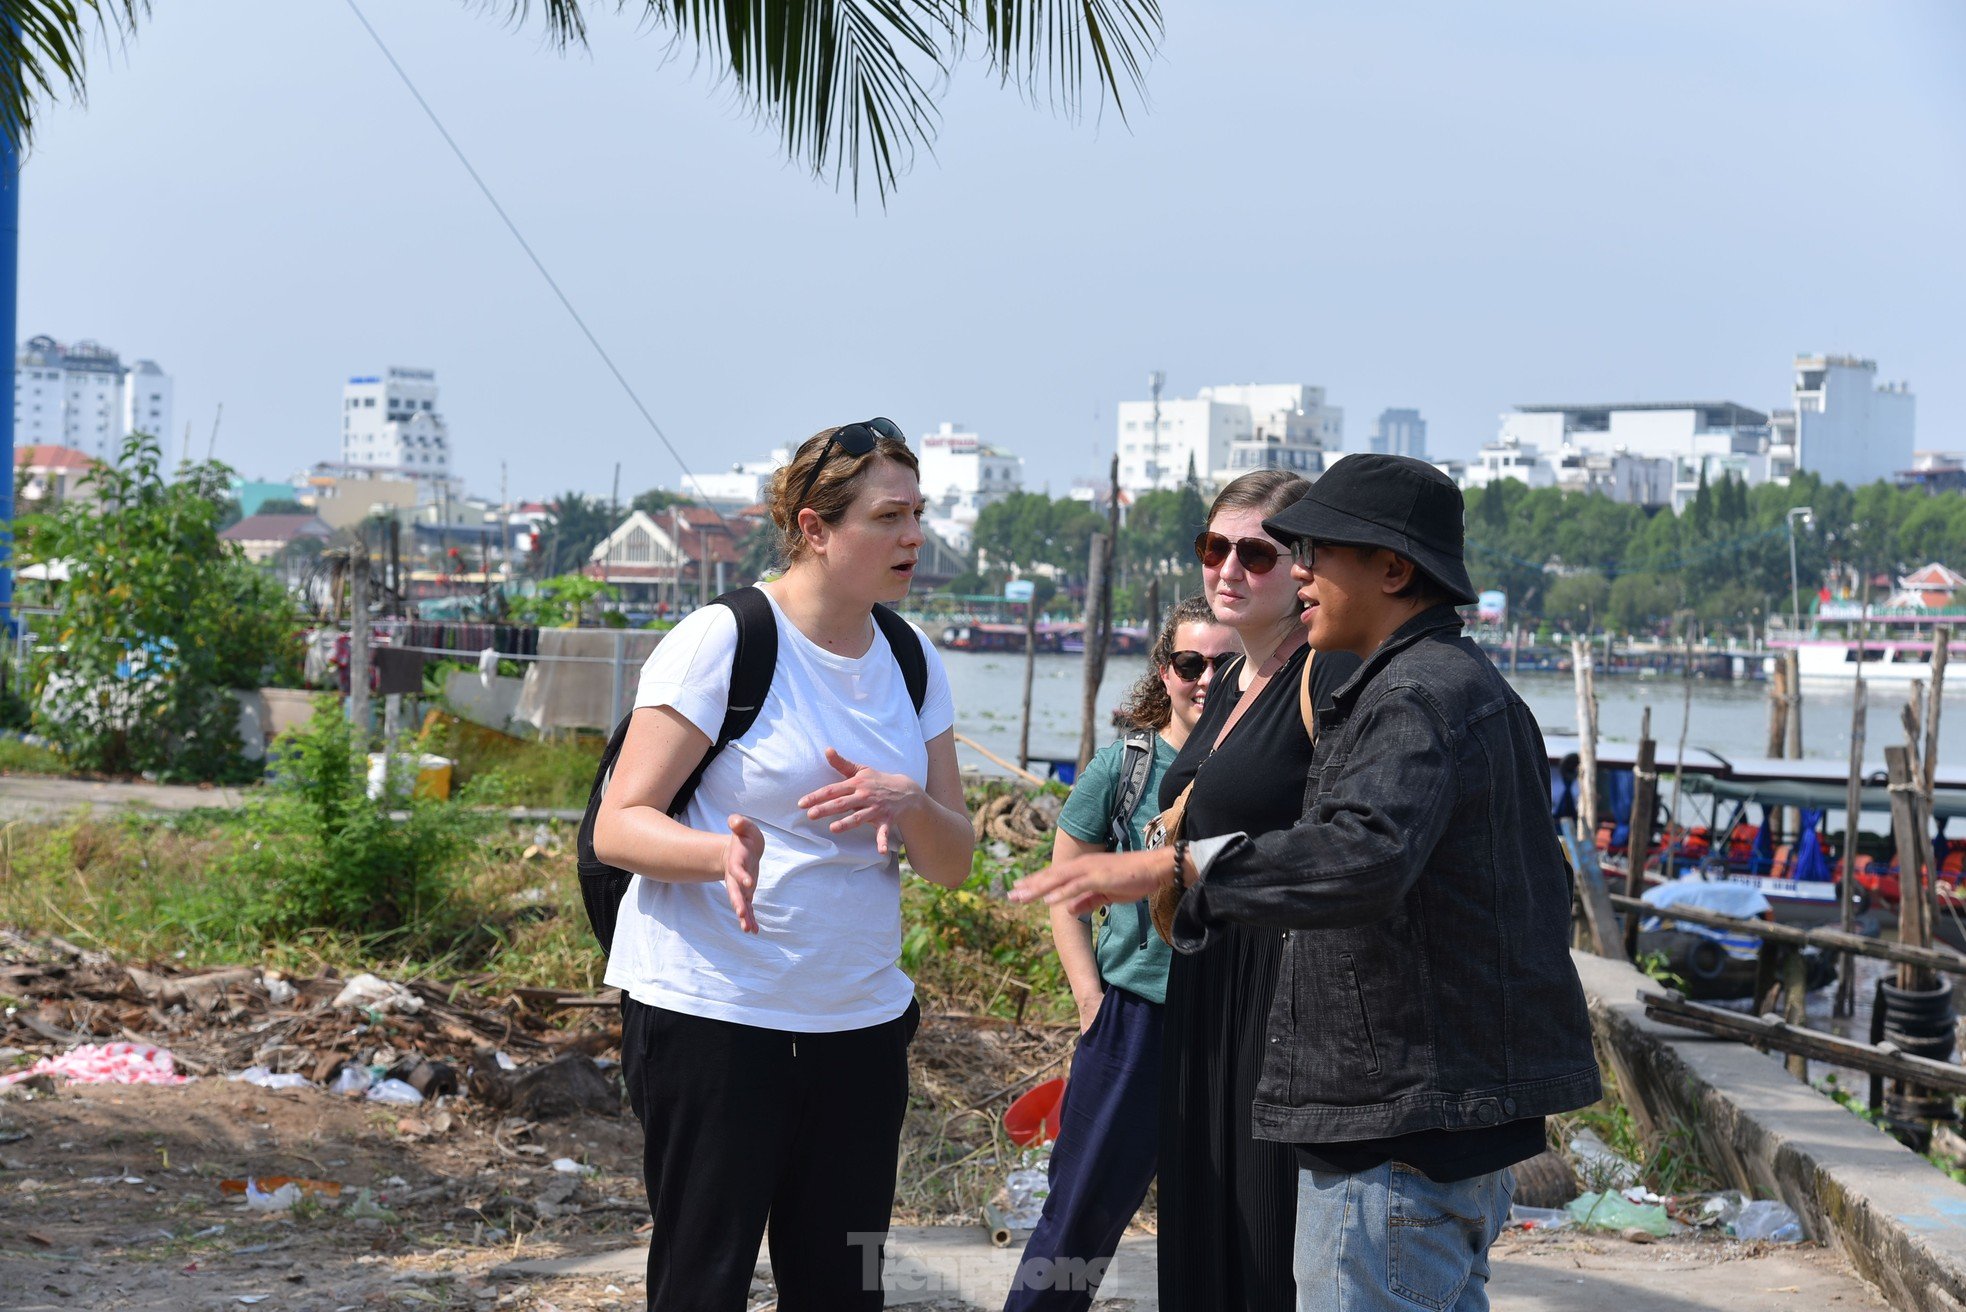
(1427, 1017)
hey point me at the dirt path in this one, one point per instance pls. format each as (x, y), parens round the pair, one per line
(44, 797)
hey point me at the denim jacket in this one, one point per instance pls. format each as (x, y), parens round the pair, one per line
(1426, 980)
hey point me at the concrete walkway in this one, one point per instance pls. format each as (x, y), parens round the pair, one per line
(44, 797)
(1560, 1272)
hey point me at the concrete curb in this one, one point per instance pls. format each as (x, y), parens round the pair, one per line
(1900, 1222)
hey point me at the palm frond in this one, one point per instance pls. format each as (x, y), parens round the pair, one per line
(44, 48)
(1049, 43)
(847, 83)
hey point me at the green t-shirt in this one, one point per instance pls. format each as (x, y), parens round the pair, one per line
(1130, 953)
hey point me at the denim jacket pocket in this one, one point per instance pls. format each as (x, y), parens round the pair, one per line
(1361, 1017)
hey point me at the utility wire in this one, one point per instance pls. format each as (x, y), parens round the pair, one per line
(526, 246)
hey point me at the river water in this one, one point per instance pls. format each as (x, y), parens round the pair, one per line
(1729, 718)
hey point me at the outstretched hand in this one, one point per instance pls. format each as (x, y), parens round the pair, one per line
(1099, 879)
(741, 856)
(864, 796)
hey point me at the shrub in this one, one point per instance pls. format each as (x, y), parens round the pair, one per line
(158, 620)
(324, 854)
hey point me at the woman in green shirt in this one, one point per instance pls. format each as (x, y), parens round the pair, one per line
(1105, 1155)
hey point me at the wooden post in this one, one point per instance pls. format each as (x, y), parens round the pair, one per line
(1846, 984)
(1778, 705)
(1795, 1005)
(1685, 722)
(1600, 917)
(358, 639)
(1030, 672)
(1096, 596)
(1515, 646)
(1794, 691)
(1580, 656)
(1645, 805)
(1914, 929)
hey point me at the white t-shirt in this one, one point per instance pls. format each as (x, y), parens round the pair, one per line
(826, 956)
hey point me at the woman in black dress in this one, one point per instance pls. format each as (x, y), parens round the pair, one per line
(1228, 1201)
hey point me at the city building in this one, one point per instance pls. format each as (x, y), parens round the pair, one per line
(343, 502)
(46, 475)
(1717, 439)
(83, 397)
(1399, 433)
(744, 484)
(1509, 457)
(1847, 427)
(390, 427)
(1935, 471)
(1225, 431)
(262, 537)
(960, 475)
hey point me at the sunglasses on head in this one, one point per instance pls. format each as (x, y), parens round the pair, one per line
(854, 439)
(1258, 555)
(1190, 664)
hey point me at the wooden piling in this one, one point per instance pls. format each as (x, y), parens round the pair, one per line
(1645, 805)
(358, 639)
(1098, 597)
(1580, 657)
(1030, 672)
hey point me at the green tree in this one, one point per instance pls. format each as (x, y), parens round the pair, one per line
(843, 84)
(579, 525)
(658, 499)
(1577, 600)
(1027, 529)
(1641, 602)
(158, 621)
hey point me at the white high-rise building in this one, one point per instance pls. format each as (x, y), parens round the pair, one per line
(1849, 428)
(390, 428)
(1226, 431)
(82, 397)
(960, 475)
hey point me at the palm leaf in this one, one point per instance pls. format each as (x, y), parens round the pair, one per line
(43, 49)
(846, 83)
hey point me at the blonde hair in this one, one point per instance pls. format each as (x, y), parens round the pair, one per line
(834, 489)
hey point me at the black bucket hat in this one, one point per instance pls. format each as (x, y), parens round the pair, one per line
(1396, 502)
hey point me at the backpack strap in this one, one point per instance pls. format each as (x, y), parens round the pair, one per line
(907, 648)
(751, 668)
(1136, 763)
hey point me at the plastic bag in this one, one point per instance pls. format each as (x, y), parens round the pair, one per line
(1766, 1219)
(368, 993)
(1539, 1218)
(351, 1080)
(394, 1092)
(1028, 1187)
(1722, 1208)
(1599, 1166)
(365, 1207)
(1595, 1211)
(266, 1079)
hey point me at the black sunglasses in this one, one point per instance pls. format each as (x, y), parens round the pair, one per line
(1258, 555)
(1303, 551)
(1190, 664)
(855, 440)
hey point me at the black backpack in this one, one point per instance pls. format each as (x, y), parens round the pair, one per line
(602, 886)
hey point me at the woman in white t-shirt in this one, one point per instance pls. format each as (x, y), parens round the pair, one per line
(766, 1018)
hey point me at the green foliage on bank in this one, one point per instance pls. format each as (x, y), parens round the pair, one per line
(158, 621)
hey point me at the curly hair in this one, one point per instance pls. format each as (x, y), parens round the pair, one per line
(1148, 706)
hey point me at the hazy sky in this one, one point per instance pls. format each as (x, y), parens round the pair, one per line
(1457, 205)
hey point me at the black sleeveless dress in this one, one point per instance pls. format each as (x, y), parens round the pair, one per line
(1228, 1201)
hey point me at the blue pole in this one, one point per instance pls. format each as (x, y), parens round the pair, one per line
(9, 294)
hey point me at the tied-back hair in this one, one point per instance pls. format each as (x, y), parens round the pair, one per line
(832, 492)
(1264, 490)
(1148, 705)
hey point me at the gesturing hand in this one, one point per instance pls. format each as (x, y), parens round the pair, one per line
(864, 796)
(1086, 883)
(741, 855)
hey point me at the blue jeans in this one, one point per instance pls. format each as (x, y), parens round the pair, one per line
(1392, 1240)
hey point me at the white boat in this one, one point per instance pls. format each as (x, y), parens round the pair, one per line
(1890, 660)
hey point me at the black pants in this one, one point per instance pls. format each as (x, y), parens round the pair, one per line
(744, 1127)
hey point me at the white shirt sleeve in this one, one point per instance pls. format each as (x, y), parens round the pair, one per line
(690, 668)
(938, 714)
